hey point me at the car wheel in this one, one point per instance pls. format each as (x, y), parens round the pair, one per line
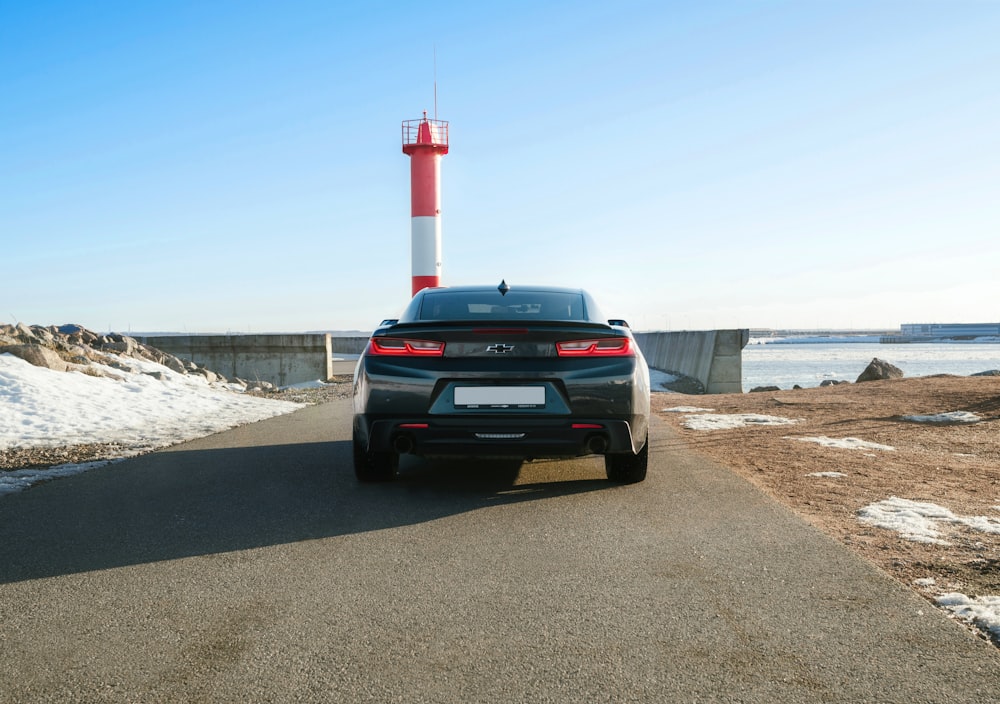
(628, 468)
(374, 466)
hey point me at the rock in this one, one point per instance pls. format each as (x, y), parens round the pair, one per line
(120, 344)
(174, 364)
(758, 389)
(150, 353)
(44, 335)
(989, 372)
(37, 355)
(210, 376)
(23, 334)
(879, 369)
(78, 353)
(831, 382)
(87, 337)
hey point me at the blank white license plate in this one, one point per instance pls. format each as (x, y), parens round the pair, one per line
(520, 396)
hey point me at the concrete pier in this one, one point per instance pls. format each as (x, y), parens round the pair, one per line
(713, 357)
(282, 360)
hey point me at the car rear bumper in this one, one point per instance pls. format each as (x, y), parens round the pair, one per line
(496, 437)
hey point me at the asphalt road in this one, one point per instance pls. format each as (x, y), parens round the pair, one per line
(250, 566)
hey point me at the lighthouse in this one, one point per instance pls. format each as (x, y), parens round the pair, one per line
(425, 142)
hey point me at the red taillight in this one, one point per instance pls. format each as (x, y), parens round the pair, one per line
(405, 348)
(603, 347)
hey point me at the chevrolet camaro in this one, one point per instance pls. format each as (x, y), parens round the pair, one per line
(501, 372)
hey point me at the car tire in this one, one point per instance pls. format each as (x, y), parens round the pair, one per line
(628, 468)
(373, 466)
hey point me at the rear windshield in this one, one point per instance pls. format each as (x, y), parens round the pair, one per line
(516, 305)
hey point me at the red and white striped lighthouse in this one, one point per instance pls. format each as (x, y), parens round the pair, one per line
(425, 142)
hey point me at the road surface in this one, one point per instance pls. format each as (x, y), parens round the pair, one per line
(250, 566)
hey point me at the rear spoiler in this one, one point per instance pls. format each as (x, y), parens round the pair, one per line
(505, 323)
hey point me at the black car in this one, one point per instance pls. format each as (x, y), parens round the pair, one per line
(501, 372)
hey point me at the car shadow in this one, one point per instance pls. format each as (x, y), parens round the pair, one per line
(181, 503)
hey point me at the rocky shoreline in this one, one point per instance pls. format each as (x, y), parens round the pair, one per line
(75, 348)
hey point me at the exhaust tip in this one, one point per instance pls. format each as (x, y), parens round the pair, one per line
(403, 444)
(597, 444)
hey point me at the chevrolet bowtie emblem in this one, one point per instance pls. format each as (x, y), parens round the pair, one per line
(500, 348)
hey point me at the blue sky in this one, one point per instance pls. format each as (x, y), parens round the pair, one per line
(236, 167)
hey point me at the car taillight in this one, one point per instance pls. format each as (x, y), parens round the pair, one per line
(603, 347)
(405, 348)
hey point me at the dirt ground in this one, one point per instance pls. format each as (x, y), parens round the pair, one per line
(954, 465)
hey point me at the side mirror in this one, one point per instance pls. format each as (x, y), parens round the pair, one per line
(388, 321)
(618, 323)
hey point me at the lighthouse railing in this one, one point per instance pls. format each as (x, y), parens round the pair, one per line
(438, 131)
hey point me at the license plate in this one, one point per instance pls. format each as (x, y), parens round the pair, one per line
(500, 396)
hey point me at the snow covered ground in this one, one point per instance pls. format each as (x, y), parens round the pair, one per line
(144, 409)
(917, 521)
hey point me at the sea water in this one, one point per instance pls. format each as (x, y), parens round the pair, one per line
(786, 364)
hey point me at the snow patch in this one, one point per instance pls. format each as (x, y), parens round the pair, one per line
(658, 380)
(983, 612)
(921, 522)
(718, 421)
(952, 417)
(846, 443)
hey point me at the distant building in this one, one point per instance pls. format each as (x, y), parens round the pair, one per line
(931, 332)
(951, 329)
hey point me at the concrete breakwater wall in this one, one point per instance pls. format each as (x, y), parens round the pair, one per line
(349, 345)
(282, 360)
(713, 357)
